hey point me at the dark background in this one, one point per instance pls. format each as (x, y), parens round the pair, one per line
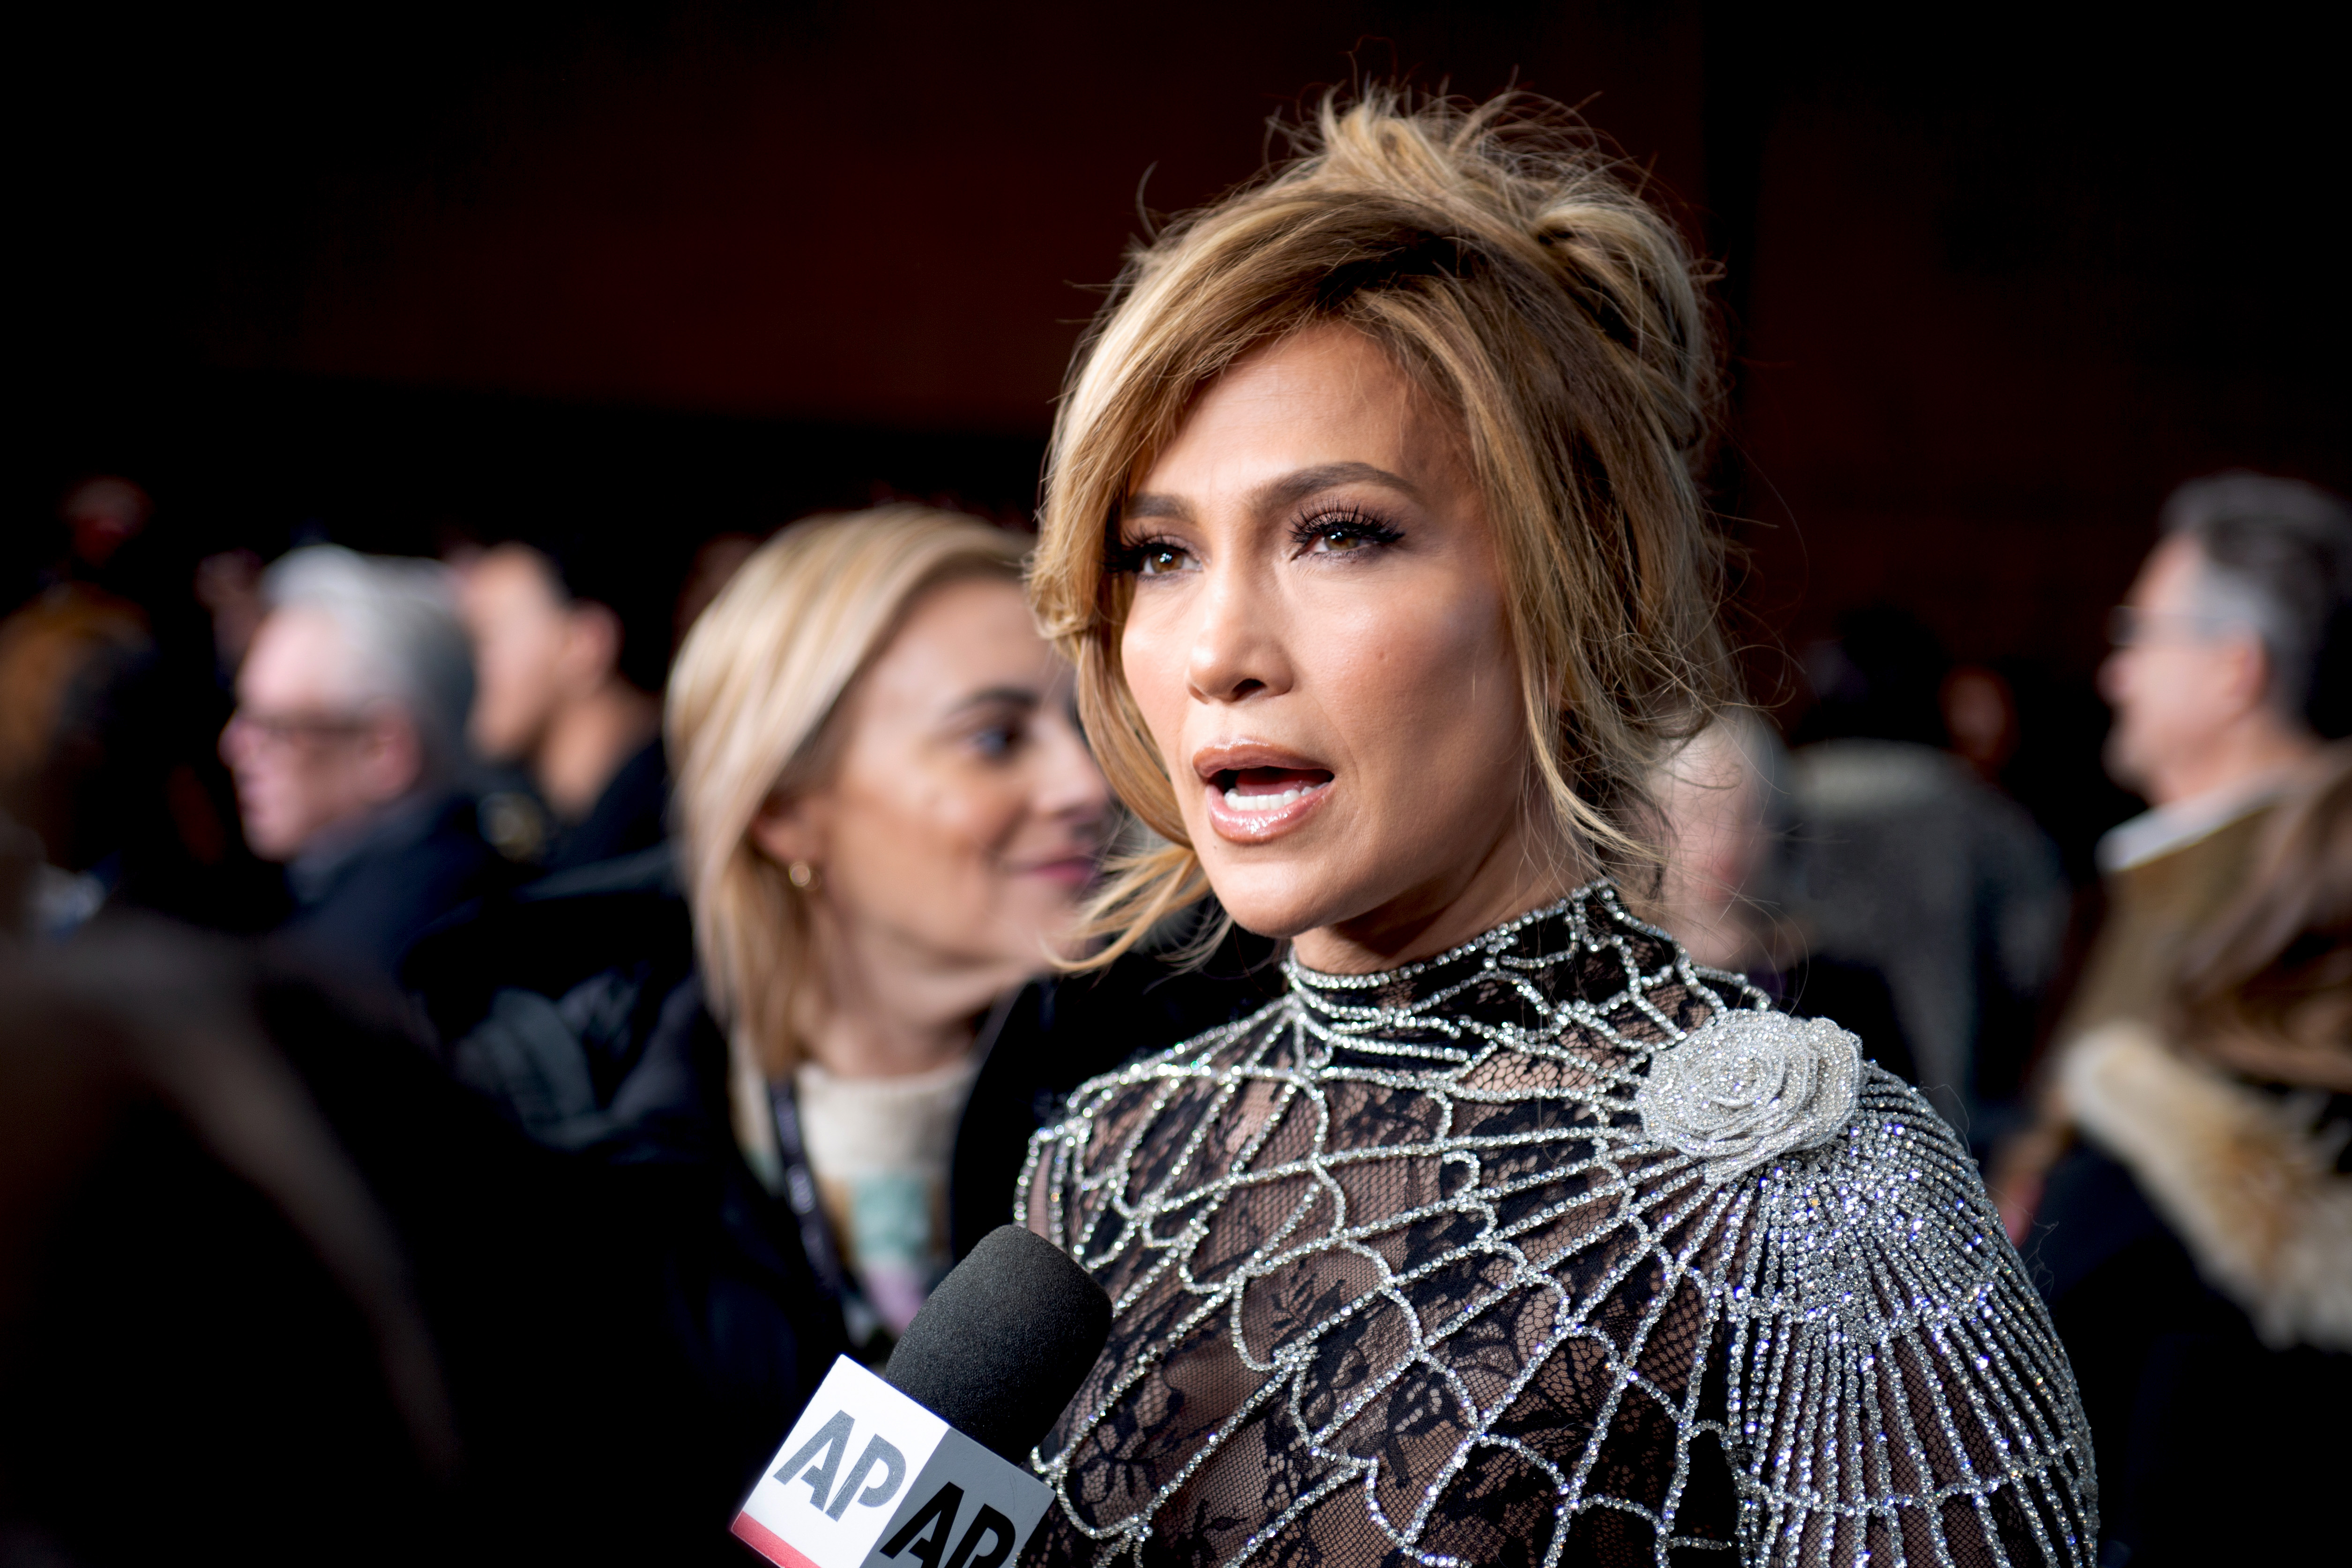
(1996, 281)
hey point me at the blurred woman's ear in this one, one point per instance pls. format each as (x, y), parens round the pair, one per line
(790, 830)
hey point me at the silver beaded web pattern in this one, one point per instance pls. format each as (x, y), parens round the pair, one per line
(1399, 1277)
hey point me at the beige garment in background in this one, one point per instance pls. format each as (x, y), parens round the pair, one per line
(879, 1149)
(2245, 1179)
(2154, 907)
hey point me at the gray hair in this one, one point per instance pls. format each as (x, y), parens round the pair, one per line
(2278, 561)
(399, 619)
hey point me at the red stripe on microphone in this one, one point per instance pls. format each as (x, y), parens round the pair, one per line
(768, 1544)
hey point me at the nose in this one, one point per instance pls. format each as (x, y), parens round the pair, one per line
(1236, 652)
(2114, 677)
(1070, 787)
(233, 737)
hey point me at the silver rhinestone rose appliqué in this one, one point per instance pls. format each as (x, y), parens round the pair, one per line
(1750, 1087)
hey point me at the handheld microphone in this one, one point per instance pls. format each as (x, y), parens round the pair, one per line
(926, 1465)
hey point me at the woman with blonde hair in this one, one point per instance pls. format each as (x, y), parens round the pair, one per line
(1507, 1234)
(887, 820)
(768, 1030)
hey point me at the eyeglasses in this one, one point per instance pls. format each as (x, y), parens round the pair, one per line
(2129, 627)
(286, 730)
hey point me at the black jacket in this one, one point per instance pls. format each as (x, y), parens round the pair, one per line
(2212, 1446)
(573, 1005)
(631, 815)
(361, 899)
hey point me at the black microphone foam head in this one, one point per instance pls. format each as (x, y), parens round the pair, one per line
(1004, 1341)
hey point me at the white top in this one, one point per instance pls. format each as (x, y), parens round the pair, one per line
(879, 1149)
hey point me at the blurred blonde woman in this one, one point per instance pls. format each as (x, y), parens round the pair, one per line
(768, 1031)
(889, 821)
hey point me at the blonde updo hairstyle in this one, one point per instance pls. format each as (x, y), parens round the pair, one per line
(752, 715)
(1524, 284)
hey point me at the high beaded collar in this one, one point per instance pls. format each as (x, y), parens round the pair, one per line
(1511, 936)
(1517, 982)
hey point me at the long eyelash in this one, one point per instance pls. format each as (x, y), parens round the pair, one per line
(1348, 522)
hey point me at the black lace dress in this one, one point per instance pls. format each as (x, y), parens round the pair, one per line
(1442, 1266)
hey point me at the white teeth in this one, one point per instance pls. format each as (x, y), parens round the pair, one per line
(1240, 802)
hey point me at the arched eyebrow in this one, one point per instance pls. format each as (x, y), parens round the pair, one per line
(1276, 494)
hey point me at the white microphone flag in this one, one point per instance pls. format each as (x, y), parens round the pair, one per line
(869, 1479)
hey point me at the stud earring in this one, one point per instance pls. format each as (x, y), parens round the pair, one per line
(803, 875)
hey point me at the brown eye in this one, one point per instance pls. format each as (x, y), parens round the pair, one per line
(1160, 560)
(1350, 532)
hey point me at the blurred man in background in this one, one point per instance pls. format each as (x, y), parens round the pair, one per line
(2228, 675)
(2187, 1192)
(1902, 858)
(2219, 692)
(569, 692)
(348, 747)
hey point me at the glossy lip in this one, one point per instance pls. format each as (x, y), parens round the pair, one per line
(1256, 827)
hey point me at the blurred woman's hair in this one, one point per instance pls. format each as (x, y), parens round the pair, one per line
(1522, 280)
(2268, 988)
(751, 718)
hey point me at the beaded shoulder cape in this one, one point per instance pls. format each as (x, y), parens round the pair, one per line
(1406, 1268)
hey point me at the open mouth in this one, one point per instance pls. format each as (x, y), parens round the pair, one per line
(1263, 791)
(1256, 791)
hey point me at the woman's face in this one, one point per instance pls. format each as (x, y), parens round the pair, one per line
(958, 831)
(1317, 642)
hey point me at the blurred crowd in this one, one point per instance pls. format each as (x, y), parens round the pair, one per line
(519, 1015)
(2153, 1059)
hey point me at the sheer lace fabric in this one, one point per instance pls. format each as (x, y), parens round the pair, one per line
(1399, 1277)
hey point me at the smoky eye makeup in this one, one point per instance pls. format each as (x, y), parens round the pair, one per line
(1341, 530)
(1318, 528)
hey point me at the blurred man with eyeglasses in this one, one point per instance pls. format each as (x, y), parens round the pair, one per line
(2223, 686)
(349, 751)
(2157, 1163)
(2231, 670)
